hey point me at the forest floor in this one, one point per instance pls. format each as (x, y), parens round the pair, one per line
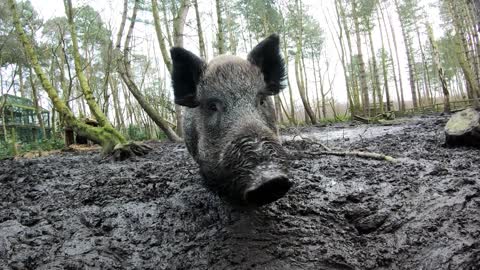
(75, 211)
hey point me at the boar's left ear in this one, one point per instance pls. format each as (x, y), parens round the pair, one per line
(187, 68)
(266, 55)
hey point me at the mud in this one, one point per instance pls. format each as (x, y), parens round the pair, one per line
(73, 211)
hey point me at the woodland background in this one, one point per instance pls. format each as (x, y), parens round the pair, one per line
(404, 56)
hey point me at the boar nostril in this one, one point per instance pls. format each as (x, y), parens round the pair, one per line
(267, 189)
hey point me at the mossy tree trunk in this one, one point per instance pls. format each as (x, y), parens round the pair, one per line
(82, 79)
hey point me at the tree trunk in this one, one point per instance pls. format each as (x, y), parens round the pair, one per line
(178, 29)
(298, 65)
(220, 33)
(87, 92)
(158, 31)
(348, 86)
(426, 76)
(376, 77)
(20, 79)
(397, 90)
(397, 57)
(124, 70)
(411, 62)
(441, 71)
(290, 91)
(384, 66)
(37, 106)
(116, 103)
(361, 63)
(462, 54)
(201, 41)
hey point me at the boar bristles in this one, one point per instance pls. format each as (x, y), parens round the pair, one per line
(187, 69)
(266, 55)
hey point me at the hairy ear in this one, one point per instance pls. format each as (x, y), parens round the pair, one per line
(266, 55)
(187, 70)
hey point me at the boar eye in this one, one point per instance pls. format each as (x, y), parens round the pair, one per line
(263, 101)
(213, 105)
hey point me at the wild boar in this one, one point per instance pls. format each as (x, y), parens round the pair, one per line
(229, 122)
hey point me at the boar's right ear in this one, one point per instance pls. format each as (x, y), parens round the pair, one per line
(187, 69)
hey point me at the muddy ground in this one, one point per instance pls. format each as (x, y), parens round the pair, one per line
(73, 211)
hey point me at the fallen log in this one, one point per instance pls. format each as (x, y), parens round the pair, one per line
(463, 129)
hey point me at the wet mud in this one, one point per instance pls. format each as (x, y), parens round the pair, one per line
(74, 211)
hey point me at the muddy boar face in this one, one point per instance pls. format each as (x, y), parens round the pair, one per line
(229, 121)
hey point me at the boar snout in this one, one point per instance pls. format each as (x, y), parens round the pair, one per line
(269, 184)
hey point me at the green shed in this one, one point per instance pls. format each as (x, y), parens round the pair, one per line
(18, 116)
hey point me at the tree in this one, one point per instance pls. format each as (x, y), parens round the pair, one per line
(441, 72)
(109, 138)
(361, 62)
(406, 14)
(125, 71)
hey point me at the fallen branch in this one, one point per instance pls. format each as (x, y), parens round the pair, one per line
(330, 152)
(367, 155)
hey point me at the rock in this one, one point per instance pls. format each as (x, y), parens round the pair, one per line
(463, 129)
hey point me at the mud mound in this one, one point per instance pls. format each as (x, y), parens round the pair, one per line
(71, 211)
